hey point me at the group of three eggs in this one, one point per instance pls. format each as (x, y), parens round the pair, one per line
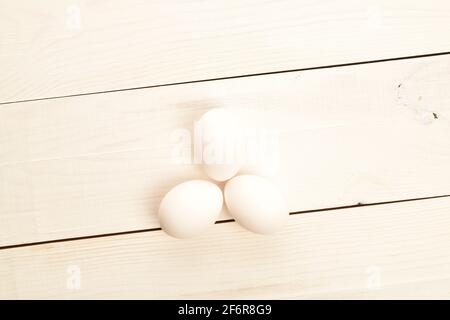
(255, 202)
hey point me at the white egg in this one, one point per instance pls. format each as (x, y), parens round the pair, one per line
(256, 203)
(219, 133)
(190, 208)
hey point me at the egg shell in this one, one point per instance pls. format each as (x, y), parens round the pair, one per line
(256, 203)
(219, 132)
(221, 172)
(190, 208)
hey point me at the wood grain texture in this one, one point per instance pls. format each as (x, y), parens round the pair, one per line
(56, 48)
(100, 164)
(387, 251)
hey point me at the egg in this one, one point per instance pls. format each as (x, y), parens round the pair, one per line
(219, 132)
(256, 203)
(190, 208)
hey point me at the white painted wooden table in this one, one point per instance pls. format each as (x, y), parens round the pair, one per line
(90, 93)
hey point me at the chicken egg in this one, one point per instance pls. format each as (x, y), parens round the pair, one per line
(219, 131)
(190, 208)
(256, 203)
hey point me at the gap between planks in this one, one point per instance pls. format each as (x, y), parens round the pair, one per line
(233, 77)
(358, 205)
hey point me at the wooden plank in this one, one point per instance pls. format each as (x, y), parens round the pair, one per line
(57, 48)
(100, 164)
(372, 251)
(425, 290)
